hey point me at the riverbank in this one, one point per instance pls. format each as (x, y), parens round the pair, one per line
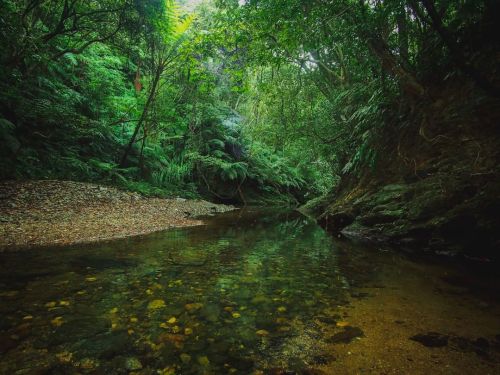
(434, 187)
(48, 213)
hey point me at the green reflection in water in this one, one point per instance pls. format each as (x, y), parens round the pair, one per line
(240, 294)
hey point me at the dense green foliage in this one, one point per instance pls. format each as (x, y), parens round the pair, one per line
(124, 92)
(239, 100)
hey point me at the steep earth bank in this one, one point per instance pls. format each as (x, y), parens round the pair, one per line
(436, 182)
(46, 213)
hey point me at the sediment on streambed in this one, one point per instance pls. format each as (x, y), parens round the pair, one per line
(46, 213)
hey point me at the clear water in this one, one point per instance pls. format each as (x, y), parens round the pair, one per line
(251, 292)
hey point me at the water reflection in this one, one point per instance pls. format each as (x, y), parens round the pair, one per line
(239, 294)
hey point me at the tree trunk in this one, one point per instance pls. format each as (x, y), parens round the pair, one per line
(403, 35)
(408, 82)
(151, 96)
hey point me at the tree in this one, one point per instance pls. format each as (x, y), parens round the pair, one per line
(164, 36)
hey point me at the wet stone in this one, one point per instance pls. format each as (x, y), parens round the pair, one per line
(241, 363)
(210, 313)
(346, 336)
(327, 320)
(431, 339)
(79, 329)
(105, 345)
(322, 359)
(6, 343)
(132, 364)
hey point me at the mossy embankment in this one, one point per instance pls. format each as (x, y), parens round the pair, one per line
(435, 185)
(48, 213)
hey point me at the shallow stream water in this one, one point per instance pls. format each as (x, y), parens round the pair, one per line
(251, 292)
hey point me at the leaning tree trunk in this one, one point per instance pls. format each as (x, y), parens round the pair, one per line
(408, 82)
(151, 96)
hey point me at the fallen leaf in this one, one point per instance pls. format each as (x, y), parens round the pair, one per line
(342, 324)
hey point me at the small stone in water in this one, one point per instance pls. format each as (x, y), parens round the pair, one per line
(172, 320)
(133, 319)
(191, 307)
(342, 324)
(156, 304)
(133, 364)
(28, 317)
(50, 304)
(64, 357)
(167, 371)
(63, 303)
(188, 331)
(282, 309)
(236, 315)
(57, 321)
(204, 361)
(88, 363)
(114, 310)
(185, 358)
(90, 279)
(176, 329)
(228, 308)
(262, 332)
(431, 339)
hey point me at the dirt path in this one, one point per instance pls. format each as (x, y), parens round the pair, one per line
(46, 213)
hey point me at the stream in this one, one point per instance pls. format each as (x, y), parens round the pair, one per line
(252, 292)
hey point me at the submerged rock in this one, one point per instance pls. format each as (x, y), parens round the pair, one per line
(156, 304)
(346, 336)
(431, 339)
(133, 364)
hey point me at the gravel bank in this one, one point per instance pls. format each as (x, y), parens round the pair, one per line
(47, 213)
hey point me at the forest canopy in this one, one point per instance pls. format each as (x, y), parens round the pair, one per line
(243, 101)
